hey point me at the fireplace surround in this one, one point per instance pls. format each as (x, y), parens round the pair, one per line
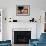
(21, 35)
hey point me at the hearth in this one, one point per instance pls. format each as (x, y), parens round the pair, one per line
(22, 37)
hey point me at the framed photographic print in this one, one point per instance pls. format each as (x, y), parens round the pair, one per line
(22, 10)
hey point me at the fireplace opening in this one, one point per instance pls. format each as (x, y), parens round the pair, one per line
(22, 37)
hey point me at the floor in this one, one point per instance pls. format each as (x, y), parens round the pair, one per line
(20, 45)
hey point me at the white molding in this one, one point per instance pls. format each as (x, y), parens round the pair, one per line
(1, 26)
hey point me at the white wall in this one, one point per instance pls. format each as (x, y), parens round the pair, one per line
(4, 24)
(35, 4)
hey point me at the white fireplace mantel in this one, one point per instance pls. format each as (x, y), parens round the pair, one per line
(25, 27)
(16, 26)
